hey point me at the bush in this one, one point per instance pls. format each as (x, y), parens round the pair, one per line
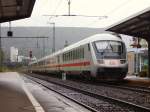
(4, 69)
(144, 71)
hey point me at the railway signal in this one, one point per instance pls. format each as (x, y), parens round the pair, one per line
(30, 54)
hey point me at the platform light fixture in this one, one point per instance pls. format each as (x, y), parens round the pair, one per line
(9, 33)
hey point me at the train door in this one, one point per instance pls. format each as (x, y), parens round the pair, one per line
(93, 60)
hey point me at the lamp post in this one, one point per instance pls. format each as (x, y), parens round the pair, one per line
(0, 50)
(53, 48)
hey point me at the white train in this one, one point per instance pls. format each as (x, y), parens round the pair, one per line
(102, 56)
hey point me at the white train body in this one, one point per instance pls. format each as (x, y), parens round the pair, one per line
(102, 56)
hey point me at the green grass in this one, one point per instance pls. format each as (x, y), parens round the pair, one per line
(5, 69)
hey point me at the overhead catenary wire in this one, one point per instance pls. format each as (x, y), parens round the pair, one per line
(69, 13)
(122, 4)
(59, 3)
(118, 7)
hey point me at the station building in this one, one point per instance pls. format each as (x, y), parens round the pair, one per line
(138, 60)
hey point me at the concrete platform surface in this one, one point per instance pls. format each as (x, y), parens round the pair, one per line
(139, 81)
(12, 95)
(51, 101)
(19, 94)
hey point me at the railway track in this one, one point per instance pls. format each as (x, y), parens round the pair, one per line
(120, 85)
(128, 87)
(113, 104)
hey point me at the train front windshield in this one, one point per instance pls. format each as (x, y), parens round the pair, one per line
(110, 50)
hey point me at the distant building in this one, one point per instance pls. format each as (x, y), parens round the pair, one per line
(25, 60)
(13, 54)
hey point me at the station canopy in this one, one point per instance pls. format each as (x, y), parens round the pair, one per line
(15, 9)
(137, 25)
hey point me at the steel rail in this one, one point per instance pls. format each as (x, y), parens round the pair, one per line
(82, 104)
(118, 101)
(128, 87)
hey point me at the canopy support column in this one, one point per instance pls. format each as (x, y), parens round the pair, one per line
(148, 40)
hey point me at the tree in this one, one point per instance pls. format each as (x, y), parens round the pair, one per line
(1, 58)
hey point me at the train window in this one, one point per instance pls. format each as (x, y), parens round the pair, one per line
(73, 54)
(65, 57)
(78, 51)
(82, 52)
(70, 55)
(108, 46)
(77, 54)
(58, 59)
(89, 47)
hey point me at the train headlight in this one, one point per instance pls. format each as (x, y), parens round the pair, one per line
(100, 61)
(122, 61)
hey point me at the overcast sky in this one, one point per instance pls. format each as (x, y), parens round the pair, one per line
(116, 10)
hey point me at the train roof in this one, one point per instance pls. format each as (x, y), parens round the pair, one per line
(93, 38)
(96, 37)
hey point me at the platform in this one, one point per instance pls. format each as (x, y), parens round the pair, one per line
(19, 94)
(138, 81)
(51, 101)
(12, 95)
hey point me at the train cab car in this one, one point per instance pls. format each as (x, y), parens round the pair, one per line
(111, 60)
(102, 56)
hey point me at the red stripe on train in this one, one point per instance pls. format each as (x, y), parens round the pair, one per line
(86, 63)
(76, 64)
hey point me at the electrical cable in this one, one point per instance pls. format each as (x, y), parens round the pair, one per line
(118, 7)
(59, 3)
(113, 10)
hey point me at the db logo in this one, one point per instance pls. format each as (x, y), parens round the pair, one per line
(112, 63)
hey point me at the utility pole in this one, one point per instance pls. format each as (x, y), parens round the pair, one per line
(0, 50)
(69, 13)
(69, 3)
(43, 48)
(53, 49)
